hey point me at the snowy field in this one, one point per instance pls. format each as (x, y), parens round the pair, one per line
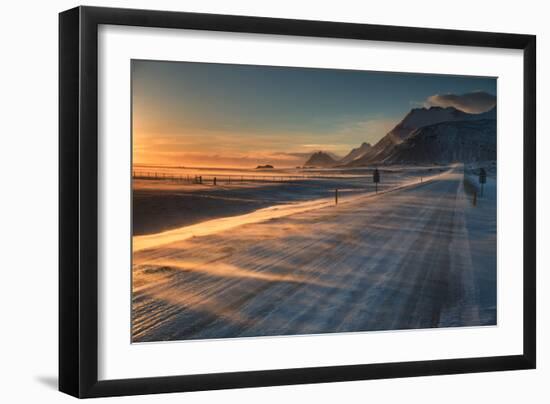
(167, 198)
(419, 254)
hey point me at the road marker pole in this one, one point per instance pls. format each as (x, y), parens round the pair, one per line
(482, 179)
(376, 179)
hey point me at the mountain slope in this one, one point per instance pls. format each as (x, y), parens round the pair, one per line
(356, 153)
(415, 119)
(447, 142)
(320, 159)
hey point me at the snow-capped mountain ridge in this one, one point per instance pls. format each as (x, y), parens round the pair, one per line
(447, 142)
(356, 153)
(320, 159)
(417, 118)
(415, 130)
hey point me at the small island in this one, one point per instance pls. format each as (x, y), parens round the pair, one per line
(264, 166)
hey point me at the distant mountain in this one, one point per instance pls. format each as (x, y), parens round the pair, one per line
(320, 159)
(333, 156)
(355, 153)
(415, 119)
(448, 142)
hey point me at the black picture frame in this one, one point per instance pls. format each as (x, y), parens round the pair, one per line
(78, 201)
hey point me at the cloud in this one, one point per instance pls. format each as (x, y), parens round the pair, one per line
(475, 102)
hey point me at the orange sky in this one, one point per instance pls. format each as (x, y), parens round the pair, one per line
(206, 148)
(216, 115)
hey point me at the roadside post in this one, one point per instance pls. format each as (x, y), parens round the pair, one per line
(376, 178)
(482, 179)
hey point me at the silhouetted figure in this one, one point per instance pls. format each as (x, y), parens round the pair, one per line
(214, 180)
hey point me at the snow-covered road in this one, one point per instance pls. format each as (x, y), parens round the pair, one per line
(394, 261)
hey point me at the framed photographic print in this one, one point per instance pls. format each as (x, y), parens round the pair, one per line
(251, 201)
